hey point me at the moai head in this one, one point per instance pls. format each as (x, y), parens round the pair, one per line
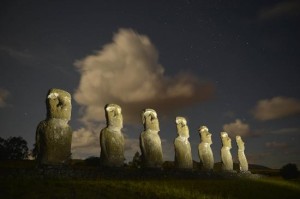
(150, 120)
(113, 116)
(182, 128)
(226, 141)
(240, 143)
(205, 135)
(58, 104)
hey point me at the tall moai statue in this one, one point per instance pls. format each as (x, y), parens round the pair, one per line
(183, 153)
(150, 142)
(54, 135)
(241, 155)
(227, 163)
(204, 150)
(111, 138)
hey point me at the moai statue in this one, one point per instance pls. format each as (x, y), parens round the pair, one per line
(205, 153)
(111, 138)
(241, 154)
(227, 163)
(150, 142)
(54, 135)
(183, 153)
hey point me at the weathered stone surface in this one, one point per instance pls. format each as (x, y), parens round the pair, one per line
(241, 154)
(112, 139)
(150, 142)
(226, 157)
(54, 135)
(204, 150)
(183, 153)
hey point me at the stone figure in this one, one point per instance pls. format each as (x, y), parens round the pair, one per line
(241, 154)
(111, 138)
(227, 163)
(54, 135)
(150, 142)
(183, 153)
(204, 150)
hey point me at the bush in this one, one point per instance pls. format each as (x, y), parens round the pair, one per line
(13, 148)
(289, 171)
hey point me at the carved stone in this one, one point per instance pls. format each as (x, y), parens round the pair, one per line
(227, 163)
(54, 135)
(241, 154)
(204, 150)
(150, 142)
(111, 138)
(183, 153)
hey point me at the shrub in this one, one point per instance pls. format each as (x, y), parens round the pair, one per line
(289, 171)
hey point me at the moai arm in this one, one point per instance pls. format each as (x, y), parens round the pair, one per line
(102, 143)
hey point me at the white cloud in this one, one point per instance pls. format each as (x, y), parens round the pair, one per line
(277, 107)
(3, 97)
(237, 128)
(127, 72)
(85, 143)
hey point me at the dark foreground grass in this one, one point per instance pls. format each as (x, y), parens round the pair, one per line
(167, 188)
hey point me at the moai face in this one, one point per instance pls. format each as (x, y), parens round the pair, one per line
(226, 141)
(114, 118)
(150, 120)
(205, 135)
(58, 104)
(240, 143)
(182, 128)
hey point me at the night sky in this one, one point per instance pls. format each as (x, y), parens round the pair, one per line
(228, 65)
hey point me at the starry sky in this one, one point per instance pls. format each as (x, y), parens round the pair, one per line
(229, 65)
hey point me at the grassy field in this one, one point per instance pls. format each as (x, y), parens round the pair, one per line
(28, 186)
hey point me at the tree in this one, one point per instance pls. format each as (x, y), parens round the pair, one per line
(136, 160)
(13, 148)
(289, 171)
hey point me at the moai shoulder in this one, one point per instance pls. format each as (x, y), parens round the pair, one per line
(54, 135)
(183, 154)
(150, 142)
(111, 138)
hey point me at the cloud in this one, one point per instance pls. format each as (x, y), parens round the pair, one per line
(275, 144)
(127, 72)
(285, 8)
(277, 107)
(85, 143)
(16, 54)
(237, 128)
(3, 98)
(286, 131)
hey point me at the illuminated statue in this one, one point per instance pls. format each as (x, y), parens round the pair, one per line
(227, 164)
(183, 153)
(241, 154)
(150, 142)
(205, 153)
(54, 135)
(111, 138)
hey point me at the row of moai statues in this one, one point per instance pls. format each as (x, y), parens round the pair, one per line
(54, 136)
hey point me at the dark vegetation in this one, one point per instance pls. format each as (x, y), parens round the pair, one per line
(289, 171)
(13, 148)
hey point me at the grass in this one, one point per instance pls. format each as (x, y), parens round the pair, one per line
(209, 189)
(27, 186)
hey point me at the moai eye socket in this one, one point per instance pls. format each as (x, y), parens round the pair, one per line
(60, 103)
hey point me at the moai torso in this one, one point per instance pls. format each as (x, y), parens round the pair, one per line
(204, 149)
(54, 135)
(150, 142)
(112, 139)
(183, 153)
(241, 154)
(227, 163)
